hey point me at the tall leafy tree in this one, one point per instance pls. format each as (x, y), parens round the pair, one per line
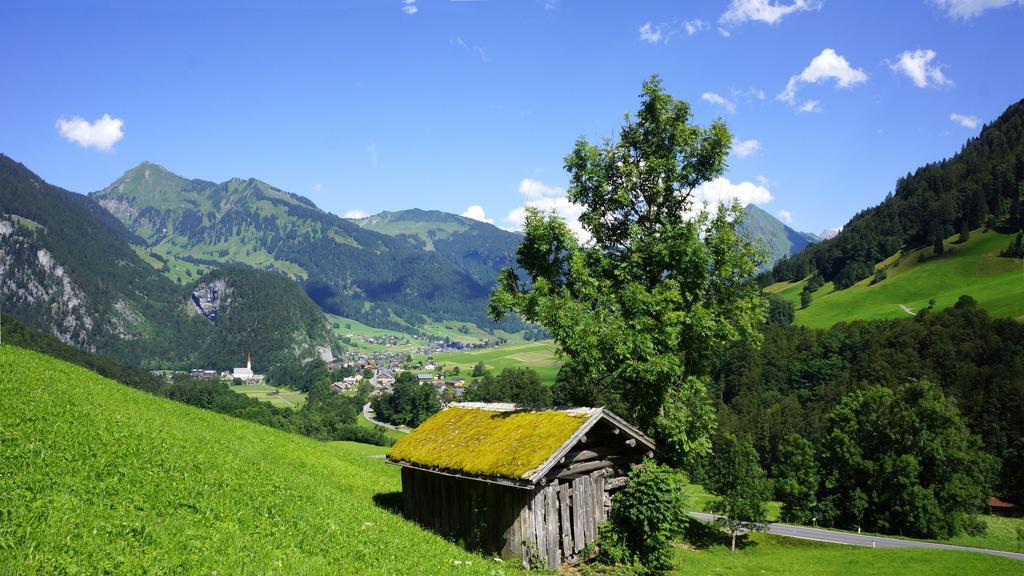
(660, 283)
(737, 480)
(797, 477)
(903, 461)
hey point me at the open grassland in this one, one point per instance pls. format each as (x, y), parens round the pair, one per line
(769, 555)
(100, 478)
(697, 499)
(284, 397)
(973, 268)
(537, 355)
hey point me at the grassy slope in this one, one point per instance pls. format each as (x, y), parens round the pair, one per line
(537, 355)
(772, 555)
(102, 478)
(973, 268)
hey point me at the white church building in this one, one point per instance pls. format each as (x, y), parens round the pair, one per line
(245, 374)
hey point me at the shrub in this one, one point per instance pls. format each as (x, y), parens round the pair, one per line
(647, 515)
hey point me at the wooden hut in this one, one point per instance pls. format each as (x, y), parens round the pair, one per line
(527, 484)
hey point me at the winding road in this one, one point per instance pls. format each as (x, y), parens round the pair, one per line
(836, 537)
(368, 414)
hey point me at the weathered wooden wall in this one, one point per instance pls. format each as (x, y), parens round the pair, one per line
(551, 524)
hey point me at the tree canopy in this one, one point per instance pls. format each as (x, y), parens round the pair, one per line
(659, 283)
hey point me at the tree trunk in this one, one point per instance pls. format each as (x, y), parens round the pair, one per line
(733, 541)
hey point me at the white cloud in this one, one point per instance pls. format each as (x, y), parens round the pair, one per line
(786, 216)
(810, 106)
(766, 11)
(918, 67)
(650, 33)
(409, 7)
(825, 66)
(476, 212)
(965, 9)
(725, 33)
(101, 134)
(745, 148)
(356, 214)
(536, 194)
(718, 100)
(830, 232)
(318, 187)
(964, 120)
(722, 191)
(694, 26)
(478, 50)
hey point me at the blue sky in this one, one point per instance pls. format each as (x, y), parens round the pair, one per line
(440, 104)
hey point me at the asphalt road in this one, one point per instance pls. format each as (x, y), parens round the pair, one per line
(368, 414)
(836, 537)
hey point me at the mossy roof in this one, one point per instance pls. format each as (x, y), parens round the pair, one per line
(499, 441)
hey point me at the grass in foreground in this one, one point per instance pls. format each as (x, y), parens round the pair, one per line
(974, 268)
(100, 478)
(765, 554)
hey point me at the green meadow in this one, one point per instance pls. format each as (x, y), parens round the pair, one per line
(973, 268)
(100, 478)
(537, 355)
(280, 397)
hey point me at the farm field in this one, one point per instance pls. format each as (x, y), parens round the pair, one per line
(456, 331)
(773, 555)
(973, 268)
(285, 398)
(106, 479)
(537, 355)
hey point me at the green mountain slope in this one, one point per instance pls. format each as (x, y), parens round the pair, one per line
(348, 270)
(99, 478)
(68, 269)
(260, 313)
(477, 247)
(982, 185)
(915, 277)
(780, 240)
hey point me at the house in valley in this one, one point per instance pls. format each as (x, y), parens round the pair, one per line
(515, 481)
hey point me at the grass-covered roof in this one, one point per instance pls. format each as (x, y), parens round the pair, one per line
(499, 441)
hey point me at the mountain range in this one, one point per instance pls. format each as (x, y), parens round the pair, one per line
(394, 270)
(776, 237)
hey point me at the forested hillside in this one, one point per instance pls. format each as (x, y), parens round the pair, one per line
(190, 226)
(982, 185)
(798, 376)
(479, 248)
(69, 272)
(259, 313)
